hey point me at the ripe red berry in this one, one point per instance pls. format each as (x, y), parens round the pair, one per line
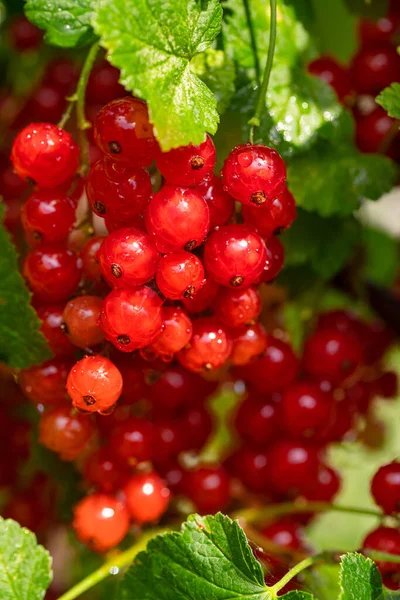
(90, 264)
(237, 306)
(45, 383)
(24, 35)
(386, 385)
(132, 440)
(131, 319)
(103, 85)
(180, 275)
(332, 354)
(374, 67)
(208, 488)
(187, 165)
(385, 487)
(325, 487)
(253, 173)
(94, 384)
(384, 539)
(382, 30)
(285, 533)
(63, 74)
(330, 71)
(175, 335)
(294, 466)
(122, 130)
(198, 425)
(221, 205)
(274, 262)
(52, 271)
(169, 438)
(249, 342)
(51, 317)
(234, 255)
(306, 410)
(177, 219)
(117, 192)
(101, 521)
(80, 321)
(104, 471)
(203, 299)
(274, 216)
(252, 467)
(48, 215)
(147, 497)
(45, 154)
(173, 389)
(128, 258)
(373, 129)
(47, 103)
(209, 347)
(172, 473)
(65, 433)
(257, 421)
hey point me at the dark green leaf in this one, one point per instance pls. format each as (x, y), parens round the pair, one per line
(218, 72)
(372, 9)
(297, 596)
(25, 566)
(21, 342)
(390, 100)
(153, 42)
(381, 257)
(67, 23)
(335, 29)
(359, 578)
(323, 580)
(209, 558)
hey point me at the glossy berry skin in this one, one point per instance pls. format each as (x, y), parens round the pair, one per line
(48, 215)
(209, 347)
(146, 496)
(45, 154)
(90, 264)
(169, 438)
(325, 487)
(104, 471)
(208, 488)
(65, 433)
(237, 306)
(101, 521)
(132, 440)
(221, 205)
(274, 262)
(128, 258)
(234, 255)
(284, 533)
(63, 74)
(253, 173)
(385, 487)
(174, 389)
(131, 319)
(330, 71)
(252, 467)
(94, 384)
(272, 217)
(47, 103)
(374, 67)
(122, 130)
(180, 275)
(384, 539)
(52, 271)
(80, 321)
(198, 425)
(118, 192)
(249, 342)
(332, 354)
(294, 466)
(175, 335)
(257, 421)
(373, 129)
(305, 409)
(177, 219)
(51, 316)
(45, 384)
(187, 165)
(103, 85)
(203, 299)
(382, 30)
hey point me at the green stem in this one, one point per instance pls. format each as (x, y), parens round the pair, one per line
(111, 567)
(304, 564)
(382, 556)
(255, 120)
(253, 40)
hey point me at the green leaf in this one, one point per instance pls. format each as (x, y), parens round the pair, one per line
(209, 558)
(359, 578)
(21, 342)
(323, 580)
(381, 257)
(153, 42)
(67, 23)
(297, 595)
(389, 98)
(335, 29)
(371, 9)
(25, 566)
(218, 72)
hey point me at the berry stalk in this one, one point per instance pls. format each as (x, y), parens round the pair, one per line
(253, 40)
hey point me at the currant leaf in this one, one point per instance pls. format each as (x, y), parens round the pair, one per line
(369, 10)
(217, 70)
(389, 98)
(381, 257)
(25, 566)
(296, 595)
(155, 61)
(67, 23)
(209, 558)
(359, 578)
(335, 29)
(21, 342)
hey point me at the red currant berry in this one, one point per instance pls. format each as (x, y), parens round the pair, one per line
(175, 335)
(45, 383)
(274, 262)
(103, 85)
(45, 154)
(180, 275)
(374, 67)
(177, 219)
(373, 129)
(252, 468)
(306, 410)
(65, 433)
(128, 258)
(90, 264)
(198, 425)
(343, 423)
(24, 35)
(385, 487)
(147, 497)
(236, 307)
(132, 440)
(52, 271)
(234, 255)
(80, 321)
(209, 347)
(332, 354)
(48, 215)
(62, 74)
(387, 385)
(51, 317)
(122, 130)
(102, 470)
(188, 165)
(330, 71)
(294, 466)
(209, 488)
(170, 438)
(325, 487)
(203, 299)
(253, 173)
(274, 216)
(382, 30)
(285, 533)
(221, 205)
(257, 421)
(387, 540)
(172, 473)
(249, 342)
(94, 384)
(47, 103)
(101, 521)
(173, 389)
(131, 319)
